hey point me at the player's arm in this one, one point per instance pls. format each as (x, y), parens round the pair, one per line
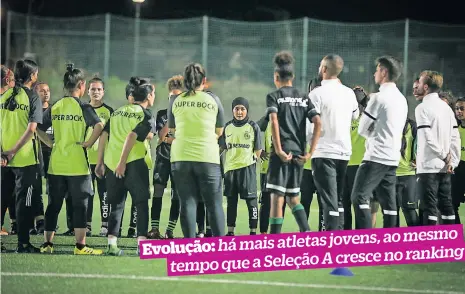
(41, 128)
(313, 115)
(455, 145)
(102, 144)
(139, 133)
(424, 126)
(219, 126)
(263, 123)
(35, 118)
(258, 144)
(171, 120)
(272, 111)
(369, 117)
(92, 120)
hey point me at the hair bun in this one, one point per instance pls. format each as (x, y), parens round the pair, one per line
(283, 58)
(70, 67)
(135, 81)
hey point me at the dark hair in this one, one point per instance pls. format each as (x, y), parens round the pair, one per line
(314, 83)
(141, 88)
(284, 62)
(194, 74)
(73, 77)
(23, 71)
(461, 99)
(6, 72)
(392, 65)
(96, 79)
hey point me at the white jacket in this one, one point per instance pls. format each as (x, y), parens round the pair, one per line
(437, 135)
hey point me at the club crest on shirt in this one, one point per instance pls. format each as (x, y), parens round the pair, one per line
(247, 135)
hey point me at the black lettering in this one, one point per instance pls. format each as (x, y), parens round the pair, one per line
(68, 117)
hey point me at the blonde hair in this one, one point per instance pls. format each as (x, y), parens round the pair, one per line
(433, 79)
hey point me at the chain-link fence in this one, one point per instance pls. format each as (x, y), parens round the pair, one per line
(237, 55)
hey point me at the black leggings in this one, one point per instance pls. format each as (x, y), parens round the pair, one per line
(196, 181)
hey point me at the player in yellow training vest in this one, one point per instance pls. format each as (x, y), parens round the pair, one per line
(458, 178)
(162, 169)
(196, 119)
(242, 142)
(69, 170)
(20, 112)
(121, 158)
(96, 93)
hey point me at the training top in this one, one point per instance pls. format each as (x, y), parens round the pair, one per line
(14, 124)
(164, 149)
(337, 106)
(308, 163)
(358, 144)
(240, 143)
(386, 114)
(405, 164)
(49, 132)
(70, 118)
(126, 119)
(462, 141)
(292, 109)
(103, 112)
(148, 145)
(437, 135)
(265, 126)
(195, 119)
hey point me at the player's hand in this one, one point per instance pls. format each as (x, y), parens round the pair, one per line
(284, 156)
(84, 145)
(449, 169)
(8, 155)
(264, 156)
(100, 170)
(120, 170)
(303, 159)
(4, 160)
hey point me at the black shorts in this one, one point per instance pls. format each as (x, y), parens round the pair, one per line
(78, 187)
(406, 192)
(162, 172)
(135, 181)
(458, 185)
(284, 178)
(241, 181)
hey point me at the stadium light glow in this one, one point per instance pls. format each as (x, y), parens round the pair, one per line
(138, 1)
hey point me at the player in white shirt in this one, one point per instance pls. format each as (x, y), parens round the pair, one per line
(337, 106)
(438, 150)
(382, 124)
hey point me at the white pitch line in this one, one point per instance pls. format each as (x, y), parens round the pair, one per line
(221, 281)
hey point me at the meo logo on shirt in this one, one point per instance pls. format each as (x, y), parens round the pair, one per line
(302, 102)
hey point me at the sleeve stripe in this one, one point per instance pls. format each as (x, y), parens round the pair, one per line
(272, 109)
(369, 115)
(423, 127)
(355, 110)
(456, 127)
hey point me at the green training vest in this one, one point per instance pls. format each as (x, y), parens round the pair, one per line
(122, 122)
(240, 151)
(195, 136)
(104, 113)
(268, 144)
(404, 168)
(14, 124)
(68, 158)
(358, 144)
(462, 144)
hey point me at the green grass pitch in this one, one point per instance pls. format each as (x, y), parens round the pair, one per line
(66, 273)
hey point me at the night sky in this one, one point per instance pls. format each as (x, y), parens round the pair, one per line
(253, 10)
